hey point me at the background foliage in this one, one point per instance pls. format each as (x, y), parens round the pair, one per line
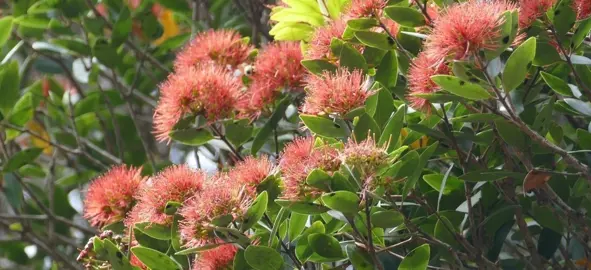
(495, 175)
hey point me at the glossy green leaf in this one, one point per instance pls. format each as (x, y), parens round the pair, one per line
(238, 132)
(154, 230)
(387, 73)
(546, 54)
(387, 219)
(405, 16)
(518, 64)
(461, 88)
(557, 84)
(443, 233)
(342, 201)
(5, 29)
(21, 158)
(122, 27)
(511, 134)
(193, 137)
(263, 258)
(348, 56)
(417, 259)
(107, 251)
(261, 137)
(376, 40)
(30, 21)
(423, 159)
(392, 129)
(579, 106)
(9, 86)
(435, 180)
(307, 208)
(581, 32)
(256, 211)
(564, 17)
(318, 66)
(323, 126)
(477, 118)
(319, 179)
(197, 249)
(362, 23)
(171, 207)
(366, 127)
(545, 217)
(155, 259)
(230, 235)
(380, 105)
(297, 224)
(325, 245)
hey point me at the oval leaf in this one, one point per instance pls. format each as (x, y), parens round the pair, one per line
(193, 137)
(263, 258)
(417, 259)
(325, 245)
(256, 211)
(155, 259)
(405, 16)
(342, 201)
(518, 64)
(461, 88)
(323, 126)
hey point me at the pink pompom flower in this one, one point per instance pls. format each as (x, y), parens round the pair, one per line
(319, 46)
(222, 47)
(419, 79)
(111, 196)
(467, 28)
(365, 8)
(177, 183)
(218, 258)
(299, 158)
(338, 92)
(207, 90)
(530, 10)
(251, 172)
(583, 8)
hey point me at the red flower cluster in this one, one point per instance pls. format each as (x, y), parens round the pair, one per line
(251, 172)
(222, 198)
(219, 258)
(110, 197)
(299, 158)
(177, 183)
(583, 8)
(335, 93)
(530, 10)
(365, 8)
(319, 46)
(467, 28)
(208, 90)
(222, 47)
(276, 67)
(419, 79)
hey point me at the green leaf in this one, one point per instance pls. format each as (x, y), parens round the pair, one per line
(348, 56)
(122, 27)
(9, 86)
(238, 132)
(230, 235)
(564, 17)
(546, 54)
(388, 70)
(423, 159)
(359, 258)
(435, 180)
(5, 29)
(147, 241)
(476, 118)
(155, 259)
(107, 251)
(106, 53)
(154, 230)
(557, 84)
(197, 249)
(297, 224)
(13, 190)
(387, 219)
(405, 16)
(545, 217)
(584, 139)
(263, 258)
(362, 23)
(256, 211)
(323, 126)
(511, 134)
(303, 250)
(366, 127)
(417, 259)
(21, 158)
(193, 137)
(375, 40)
(580, 33)
(171, 207)
(325, 245)
(461, 88)
(319, 179)
(292, 31)
(518, 64)
(579, 106)
(442, 233)
(307, 208)
(32, 22)
(508, 32)
(318, 66)
(261, 138)
(380, 105)
(342, 201)
(23, 111)
(489, 176)
(392, 129)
